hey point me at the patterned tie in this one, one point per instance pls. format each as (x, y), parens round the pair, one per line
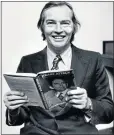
(61, 96)
(56, 60)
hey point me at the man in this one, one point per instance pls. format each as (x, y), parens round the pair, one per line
(91, 98)
(59, 84)
(57, 92)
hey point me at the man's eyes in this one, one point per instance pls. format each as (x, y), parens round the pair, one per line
(51, 22)
(65, 23)
(61, 23)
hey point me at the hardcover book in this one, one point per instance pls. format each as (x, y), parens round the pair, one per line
(46, 89)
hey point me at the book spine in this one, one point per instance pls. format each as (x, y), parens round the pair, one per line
(41, 93)
(72, 72)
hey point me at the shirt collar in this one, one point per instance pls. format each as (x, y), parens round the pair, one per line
(67, 53)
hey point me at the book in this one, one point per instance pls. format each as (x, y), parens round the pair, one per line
(46, 89)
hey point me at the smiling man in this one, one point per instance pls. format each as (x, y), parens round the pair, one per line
(58, 29)
(92, 98)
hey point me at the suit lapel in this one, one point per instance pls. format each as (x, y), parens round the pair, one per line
(40, 62)
(80, 65)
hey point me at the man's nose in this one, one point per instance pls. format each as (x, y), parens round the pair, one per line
(58, 28)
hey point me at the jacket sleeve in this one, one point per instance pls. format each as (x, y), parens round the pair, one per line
(21, 114)
(18, 118)
(103, 106)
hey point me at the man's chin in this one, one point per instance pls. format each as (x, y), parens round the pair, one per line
(59, 49)
(58, 45)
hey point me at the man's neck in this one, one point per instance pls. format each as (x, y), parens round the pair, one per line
(66, 58)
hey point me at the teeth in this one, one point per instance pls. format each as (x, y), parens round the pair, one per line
(58, 37)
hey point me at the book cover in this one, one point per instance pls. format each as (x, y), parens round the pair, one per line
(55, 86)
(25, 83)
(46, 89)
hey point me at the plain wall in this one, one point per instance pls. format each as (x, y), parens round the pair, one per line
(20, 35)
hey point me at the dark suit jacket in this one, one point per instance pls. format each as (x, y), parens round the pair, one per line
(89, 74)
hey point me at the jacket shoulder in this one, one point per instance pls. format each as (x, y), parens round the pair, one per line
(87, 53)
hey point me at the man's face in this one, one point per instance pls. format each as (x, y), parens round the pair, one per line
(59, 85)
(58, 27)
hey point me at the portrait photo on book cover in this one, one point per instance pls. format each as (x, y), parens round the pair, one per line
(57, 85)
(56, 72)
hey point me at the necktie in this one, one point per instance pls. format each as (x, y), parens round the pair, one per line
(61, 96)
(56, 60)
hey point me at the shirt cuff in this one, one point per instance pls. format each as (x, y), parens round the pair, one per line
(89, 109)
(87, 119)
(13, 114)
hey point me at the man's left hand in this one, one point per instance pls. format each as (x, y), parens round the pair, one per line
(78, 98)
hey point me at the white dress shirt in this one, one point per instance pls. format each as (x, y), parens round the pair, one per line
(66, 56)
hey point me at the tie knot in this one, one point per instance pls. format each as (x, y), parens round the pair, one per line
(55, 62)
(57, 58)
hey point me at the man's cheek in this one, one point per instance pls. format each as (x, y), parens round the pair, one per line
(68, 30)
(48, 30)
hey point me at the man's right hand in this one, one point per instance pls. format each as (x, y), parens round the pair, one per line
(14, 99)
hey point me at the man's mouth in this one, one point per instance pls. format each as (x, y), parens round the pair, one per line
(58, 37)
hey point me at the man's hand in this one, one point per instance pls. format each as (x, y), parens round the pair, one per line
(14, 99)
(78, 98)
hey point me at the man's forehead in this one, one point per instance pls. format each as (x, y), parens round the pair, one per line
(59, 12)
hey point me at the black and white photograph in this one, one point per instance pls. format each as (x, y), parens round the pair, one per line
(61, 53)
(55, 85)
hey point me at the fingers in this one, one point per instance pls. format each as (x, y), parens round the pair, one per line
(14, 99)
(78, 94)
(78, 91)
(77, 102)
(80, 104)
(14, 107)
(77, 98)
(16, 102)
(17, 93)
